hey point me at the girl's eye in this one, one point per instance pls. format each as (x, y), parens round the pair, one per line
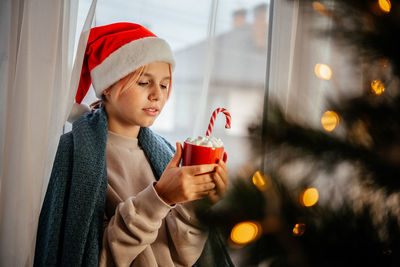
(164, 86)
(143, 83)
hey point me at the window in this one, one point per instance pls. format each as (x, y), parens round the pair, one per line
(220, 49)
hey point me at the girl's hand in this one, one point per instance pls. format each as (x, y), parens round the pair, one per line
(182, 184)
(220, 178)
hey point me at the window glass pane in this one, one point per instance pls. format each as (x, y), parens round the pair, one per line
(233, 61)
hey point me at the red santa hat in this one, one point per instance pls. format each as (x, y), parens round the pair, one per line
(112, 52)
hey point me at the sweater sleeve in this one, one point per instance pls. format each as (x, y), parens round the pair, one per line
(133, 227)
(186, 233)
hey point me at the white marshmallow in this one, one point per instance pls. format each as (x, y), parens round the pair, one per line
(207, 141)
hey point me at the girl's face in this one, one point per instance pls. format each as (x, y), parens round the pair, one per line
(141, 103)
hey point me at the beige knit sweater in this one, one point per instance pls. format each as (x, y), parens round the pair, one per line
(141, 229)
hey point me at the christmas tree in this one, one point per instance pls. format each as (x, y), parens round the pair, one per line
(328, 196)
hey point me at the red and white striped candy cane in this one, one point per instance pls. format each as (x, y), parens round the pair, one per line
(214, 115)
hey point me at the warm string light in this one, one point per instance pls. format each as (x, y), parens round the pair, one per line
(309, 197)
(319, 8)
(377, 87)
(299, 229)
(323, 71)
(260, 181)
(385, 5)
(245, 232)
(329, 120)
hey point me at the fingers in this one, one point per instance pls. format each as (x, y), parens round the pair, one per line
(203, 190)
(200, 169)
(194, 182)
(203, 182)
(206, 187)
(221, 182)
(203, 178)
(206, 168)
(225, 157)
(213, 196)
(220, 178)
(216, 181)
(223, 165)
(176, 159)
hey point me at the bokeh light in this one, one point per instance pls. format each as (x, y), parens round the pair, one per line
(377, 87)
(329, 120)
(245, 232)
(385, 5)
(319, 8)
(323, 71)
(309, 197)
(259, 181)
(299, 229)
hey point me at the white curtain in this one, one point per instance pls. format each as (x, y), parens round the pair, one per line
(36, 93)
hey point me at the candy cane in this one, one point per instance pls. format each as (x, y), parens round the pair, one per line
(214, 115)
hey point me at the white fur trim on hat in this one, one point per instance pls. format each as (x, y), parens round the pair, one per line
(128, 58)
(76, 111)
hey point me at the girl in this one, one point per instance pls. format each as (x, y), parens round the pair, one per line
(117, 195)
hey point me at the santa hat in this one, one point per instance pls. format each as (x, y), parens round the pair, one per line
(112, 52)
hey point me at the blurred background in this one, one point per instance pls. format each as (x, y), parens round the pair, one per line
(313, 90)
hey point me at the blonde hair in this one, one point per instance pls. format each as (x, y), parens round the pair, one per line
(131, 79)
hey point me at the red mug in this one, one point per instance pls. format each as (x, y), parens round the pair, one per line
(197, 155)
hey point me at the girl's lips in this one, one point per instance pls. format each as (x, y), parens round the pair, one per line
(151, 111)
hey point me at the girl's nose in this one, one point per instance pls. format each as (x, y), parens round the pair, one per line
(155, 93)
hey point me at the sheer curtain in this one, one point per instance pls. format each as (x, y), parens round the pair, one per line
(36, 57)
